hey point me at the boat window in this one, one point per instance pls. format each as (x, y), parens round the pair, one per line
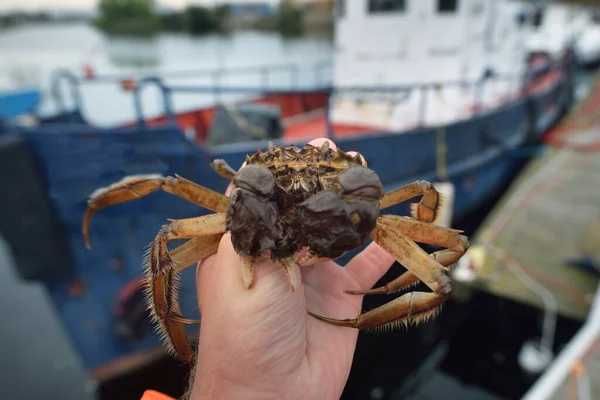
(447, 6)
(477, 8)
(596, 17)
(376, 6)
(521, 19)
(538, 18)
(340, 8)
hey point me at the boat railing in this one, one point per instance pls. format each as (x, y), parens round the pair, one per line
(550, 381)
(397, 93)
(73, 84)
(166, 97)
(263, 72)
(315, 73)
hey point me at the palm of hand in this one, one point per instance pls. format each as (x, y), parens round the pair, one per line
(262, 341)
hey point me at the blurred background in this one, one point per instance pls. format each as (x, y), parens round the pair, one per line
(496, 102)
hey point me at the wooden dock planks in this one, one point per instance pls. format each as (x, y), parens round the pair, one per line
(551, 214)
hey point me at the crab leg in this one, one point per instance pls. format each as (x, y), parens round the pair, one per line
(421, 232)
(404, 281)
(162, 268)
(223, 169)
(444, 257)
(138, 186)
(412, 257)
(411, 307)
(195, 250)
(426, 210)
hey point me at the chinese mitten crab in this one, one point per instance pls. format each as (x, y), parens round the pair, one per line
(301, 205)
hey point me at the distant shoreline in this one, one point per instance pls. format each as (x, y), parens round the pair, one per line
(194, 20)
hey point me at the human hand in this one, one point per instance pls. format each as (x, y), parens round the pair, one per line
(260, 343)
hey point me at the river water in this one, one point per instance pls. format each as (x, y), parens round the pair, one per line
(33, 53)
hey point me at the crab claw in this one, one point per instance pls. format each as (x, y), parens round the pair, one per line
(293, 271)
(305, 257)
(247, 270)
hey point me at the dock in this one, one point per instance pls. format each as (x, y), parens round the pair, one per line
(541, 243)
(540, 246)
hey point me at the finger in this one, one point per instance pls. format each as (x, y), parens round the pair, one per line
(353, 153)
(319, 142)
(368, 266)
(229, 189)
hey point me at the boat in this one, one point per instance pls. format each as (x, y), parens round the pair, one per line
(20, 95)
(557, 26)
(435, 109)
(16, 103)
(587, 46)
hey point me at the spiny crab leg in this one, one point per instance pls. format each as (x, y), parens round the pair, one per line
(195, 250)
(162, 269)
(411, 307)
(190, 253)
(412, 257)
(455, 243)
(402, 282)
(426, 210)
(421, 232)
(223, 169)
(137, 186)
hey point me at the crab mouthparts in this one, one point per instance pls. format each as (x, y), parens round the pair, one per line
(304, 257)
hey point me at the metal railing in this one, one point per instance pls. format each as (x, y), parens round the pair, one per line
(263, 72)
(398, 93)
(547, 385)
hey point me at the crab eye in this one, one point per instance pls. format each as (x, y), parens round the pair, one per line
(361, 182)
(256, 178)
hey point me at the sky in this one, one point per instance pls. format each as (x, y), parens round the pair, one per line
(7, 5)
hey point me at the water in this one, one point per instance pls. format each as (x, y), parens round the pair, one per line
(34, 52)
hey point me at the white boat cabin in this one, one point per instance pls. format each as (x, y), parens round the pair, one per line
(557, 25)
(554, 27)
(381, 44)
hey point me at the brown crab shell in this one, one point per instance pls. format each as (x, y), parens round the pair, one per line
(291, 198)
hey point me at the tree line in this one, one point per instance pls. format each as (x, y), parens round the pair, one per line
(140, 18)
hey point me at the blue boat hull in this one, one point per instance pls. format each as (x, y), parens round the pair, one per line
(480, 157)
(16, 103)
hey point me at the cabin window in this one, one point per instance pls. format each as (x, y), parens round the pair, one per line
(521, 19)
(447, 6)
(538, 18)
(340, 8)
(477, 9)
(377, 6)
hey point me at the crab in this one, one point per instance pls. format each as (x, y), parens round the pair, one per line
(300, 205)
